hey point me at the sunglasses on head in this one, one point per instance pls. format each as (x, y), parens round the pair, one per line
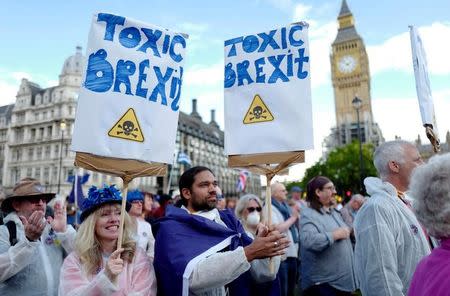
(252, 209)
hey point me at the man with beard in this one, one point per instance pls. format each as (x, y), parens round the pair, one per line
(200, 250)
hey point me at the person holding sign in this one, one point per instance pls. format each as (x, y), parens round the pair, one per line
(96, 267)
(200, 250)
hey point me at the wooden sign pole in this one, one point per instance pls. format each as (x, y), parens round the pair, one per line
(269, 213)
(123, 209)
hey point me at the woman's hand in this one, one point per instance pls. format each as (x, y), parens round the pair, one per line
(114, 266)
(341, 233)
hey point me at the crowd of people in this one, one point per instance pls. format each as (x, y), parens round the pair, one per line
(195, 242)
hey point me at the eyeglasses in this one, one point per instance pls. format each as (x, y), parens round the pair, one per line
(137, 201)
(252, 209)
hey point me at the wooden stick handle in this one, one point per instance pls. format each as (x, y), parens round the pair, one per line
(122, 212)
(269, 214)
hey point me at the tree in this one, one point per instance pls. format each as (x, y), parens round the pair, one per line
(342, 167)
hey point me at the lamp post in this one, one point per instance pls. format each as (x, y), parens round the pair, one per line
(62, 127)
(357, 104)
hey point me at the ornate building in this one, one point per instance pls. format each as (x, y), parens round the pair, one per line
(35, 136)
(351, 78)
(5, 119)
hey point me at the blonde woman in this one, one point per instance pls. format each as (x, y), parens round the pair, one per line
(97, 267)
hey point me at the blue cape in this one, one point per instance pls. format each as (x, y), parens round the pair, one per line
(180, 237)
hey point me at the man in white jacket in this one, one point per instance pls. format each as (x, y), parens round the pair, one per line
(31, 248)
(389, 240)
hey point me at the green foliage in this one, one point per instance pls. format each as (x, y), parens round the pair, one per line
(342, 167)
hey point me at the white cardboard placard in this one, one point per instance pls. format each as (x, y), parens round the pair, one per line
(268, 92)
(129, 101)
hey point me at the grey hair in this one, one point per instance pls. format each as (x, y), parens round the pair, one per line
(358, 196)
(242, 203)
(430, 188)
(389, 151)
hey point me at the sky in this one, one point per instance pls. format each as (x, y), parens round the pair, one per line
(39, 35)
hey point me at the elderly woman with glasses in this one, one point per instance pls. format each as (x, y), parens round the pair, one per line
(430, 189)
(249, 212)
(97, 267)
(326, 249)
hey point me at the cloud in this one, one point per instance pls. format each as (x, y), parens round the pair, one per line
(320, 39)
(193, 27)
(8, 92)
(201, 75)
(395, 53)
(401, 116)
(18, 76)
(301, 12)
(283, 5)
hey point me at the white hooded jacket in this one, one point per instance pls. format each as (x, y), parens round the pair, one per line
(32, 268)
(389, 242)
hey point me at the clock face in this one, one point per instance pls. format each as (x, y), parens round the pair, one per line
(347, 64)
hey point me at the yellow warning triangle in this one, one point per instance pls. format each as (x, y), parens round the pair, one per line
(127, 127)
(258, 112)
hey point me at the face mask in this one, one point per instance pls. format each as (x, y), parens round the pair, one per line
(253, 218)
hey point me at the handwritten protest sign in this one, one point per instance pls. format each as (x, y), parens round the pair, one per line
(129, 100)
(268, 92)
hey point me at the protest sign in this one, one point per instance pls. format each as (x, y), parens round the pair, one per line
(129, 100)
(268, 92)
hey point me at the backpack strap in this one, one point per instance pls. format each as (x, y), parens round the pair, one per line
(11, 225)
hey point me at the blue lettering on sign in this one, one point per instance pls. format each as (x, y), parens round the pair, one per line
(130, 37)
(230, 75)
(289, 64)
(243, 73)
(99, 73)
(131, 77)
(111, 22)
(123, 72)
(160, 88)
(100, 77)
(175, 90)
(142, 39)
(268, 40)
(141, 91)
(152, 38)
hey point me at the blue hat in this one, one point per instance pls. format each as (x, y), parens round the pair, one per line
(98, 197)
(133, 195)
(296, 189)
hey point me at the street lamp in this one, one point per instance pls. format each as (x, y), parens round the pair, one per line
(357, 104)
(62, 127)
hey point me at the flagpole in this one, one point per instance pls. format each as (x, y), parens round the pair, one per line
(423, 88)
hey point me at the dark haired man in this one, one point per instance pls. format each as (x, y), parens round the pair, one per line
(200, 250)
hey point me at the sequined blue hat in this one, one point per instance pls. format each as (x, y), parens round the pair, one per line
(98, 197)
(133, 195)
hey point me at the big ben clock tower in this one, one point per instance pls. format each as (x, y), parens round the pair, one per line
(351, 78)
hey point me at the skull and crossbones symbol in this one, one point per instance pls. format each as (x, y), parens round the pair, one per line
(127, 129)
(257, 113)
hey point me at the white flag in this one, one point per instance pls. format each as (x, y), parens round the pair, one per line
(422, 80)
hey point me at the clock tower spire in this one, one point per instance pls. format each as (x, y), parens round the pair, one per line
(351, 77)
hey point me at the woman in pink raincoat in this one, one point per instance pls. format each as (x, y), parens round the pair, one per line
(97, 267)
